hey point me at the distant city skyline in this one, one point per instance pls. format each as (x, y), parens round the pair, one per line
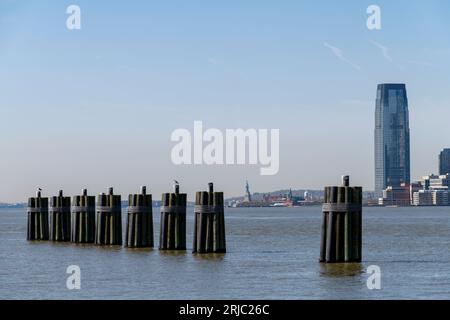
(95, 107)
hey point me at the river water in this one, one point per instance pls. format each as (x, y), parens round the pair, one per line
(272, 254)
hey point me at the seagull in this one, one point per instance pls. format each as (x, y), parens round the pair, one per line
(175, 181)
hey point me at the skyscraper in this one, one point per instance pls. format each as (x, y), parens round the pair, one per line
(444, 162)
(392, 162)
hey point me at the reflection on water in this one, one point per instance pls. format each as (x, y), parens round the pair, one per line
(173, 253)
(143, 251)
(209, 256)
(58, 244)
(107, 248)
(272, 253)
(341, 269)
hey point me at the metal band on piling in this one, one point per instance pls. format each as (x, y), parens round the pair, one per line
(82, 209)
(207, 208)
(173, 209)
(341, 207)
(37, 210)
(59, 209)
(105, 209)
(136, 209)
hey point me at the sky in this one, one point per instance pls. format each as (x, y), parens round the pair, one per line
(96, 107)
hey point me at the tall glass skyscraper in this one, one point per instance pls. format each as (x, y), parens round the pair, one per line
(392, 162)
(444, 162)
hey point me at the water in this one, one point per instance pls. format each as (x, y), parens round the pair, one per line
(272, 254)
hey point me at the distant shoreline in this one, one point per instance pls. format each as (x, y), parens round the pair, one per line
(12, 206)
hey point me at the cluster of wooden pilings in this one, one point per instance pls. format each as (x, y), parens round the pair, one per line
(100, 222)
(341, 240)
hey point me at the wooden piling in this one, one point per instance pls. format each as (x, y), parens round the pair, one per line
(109, 219)
(139, 232)
(37, 227)
(172, 234)
(209, 230)
(60, 218)
(341, 225)
(83, 218)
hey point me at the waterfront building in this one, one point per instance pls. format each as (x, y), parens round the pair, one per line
(423, 198)
(396, 196)
(431, 198)
(413, 188)
(392, 150)
(441, 198)
(432, 190)
(444, 162)
(435, 182)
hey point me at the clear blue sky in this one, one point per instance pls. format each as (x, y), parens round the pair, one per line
(96, 107)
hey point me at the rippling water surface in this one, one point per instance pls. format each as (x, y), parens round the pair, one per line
(272, 254)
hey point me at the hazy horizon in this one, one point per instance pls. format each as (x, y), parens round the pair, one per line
(95, 107)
